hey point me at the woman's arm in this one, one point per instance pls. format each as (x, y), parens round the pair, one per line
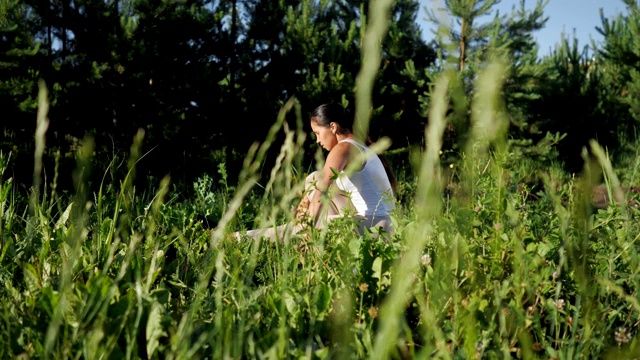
(336, 161)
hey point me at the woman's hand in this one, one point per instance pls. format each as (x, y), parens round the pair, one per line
(337, 161)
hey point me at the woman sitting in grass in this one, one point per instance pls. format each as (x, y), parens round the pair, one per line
(356, 180)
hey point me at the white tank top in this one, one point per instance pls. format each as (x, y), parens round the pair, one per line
(370, 190)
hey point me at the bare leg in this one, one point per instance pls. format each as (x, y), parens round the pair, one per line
(380, 226)
(340, 203)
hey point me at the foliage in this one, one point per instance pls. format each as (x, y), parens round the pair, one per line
(498, 251)
(619, 60)
(113, 67)
(498, 267)
(471, 34)
(507, 283)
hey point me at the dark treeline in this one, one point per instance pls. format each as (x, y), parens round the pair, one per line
(206, 78)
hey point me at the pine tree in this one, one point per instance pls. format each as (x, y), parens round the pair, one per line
(470, 34)
(464, 39)
(567, 114)
(527, 72)
(401, 84)
(620, 58)
(19, 59)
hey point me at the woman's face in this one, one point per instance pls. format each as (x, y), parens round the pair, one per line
(324, 136)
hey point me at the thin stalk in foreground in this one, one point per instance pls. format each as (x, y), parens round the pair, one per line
(426, 207)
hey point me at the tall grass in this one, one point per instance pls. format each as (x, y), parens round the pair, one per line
(503, 267)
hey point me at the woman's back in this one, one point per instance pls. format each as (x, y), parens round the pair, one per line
(369, 188)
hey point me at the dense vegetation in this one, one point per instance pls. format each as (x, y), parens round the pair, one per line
(139, 133)
(207, 92)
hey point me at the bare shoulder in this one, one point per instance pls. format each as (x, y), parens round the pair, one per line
(338, 156)
(341, 149)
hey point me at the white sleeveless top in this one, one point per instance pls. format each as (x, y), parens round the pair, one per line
(370, 190)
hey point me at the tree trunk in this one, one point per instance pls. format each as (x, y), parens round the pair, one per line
(234, 30)
(463, 36)
(49, 36)
(63, 29)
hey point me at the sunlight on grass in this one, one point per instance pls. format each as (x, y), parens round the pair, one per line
(487, 261)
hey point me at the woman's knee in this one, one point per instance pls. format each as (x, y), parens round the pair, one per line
(310, 183)
(311, 179)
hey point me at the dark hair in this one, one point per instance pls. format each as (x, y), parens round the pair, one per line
(327, 113)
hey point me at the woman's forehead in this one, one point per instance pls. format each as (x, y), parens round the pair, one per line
(314, 124)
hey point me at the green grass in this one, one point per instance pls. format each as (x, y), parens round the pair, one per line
(494, 256)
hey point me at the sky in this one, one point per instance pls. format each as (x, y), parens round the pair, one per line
(565, 16)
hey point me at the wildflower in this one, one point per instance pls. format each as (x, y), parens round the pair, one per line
(622, 336)
(560, 304)
(497, 226)
(476, 209)
(426, 259)
(554, 275)
(373, 311)
(450, 166)
(479, 350)
(364, 287)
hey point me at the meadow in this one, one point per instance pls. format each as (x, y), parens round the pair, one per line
(494, 256)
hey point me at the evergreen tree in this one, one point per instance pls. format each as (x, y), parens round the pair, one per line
(176, 68)
(567, 114)
(471, 33)
(464, 39)
(18, 64)
(401, 85)
(174, 59)
(515, 38)
(19, 71)
(620, 64)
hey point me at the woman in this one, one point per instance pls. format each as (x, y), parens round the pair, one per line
(366, 192)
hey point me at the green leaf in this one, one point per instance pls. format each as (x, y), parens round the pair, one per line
(323, 302)
(105, 228)
(483, 305)
(322, 353)
(31, 278)
(154, 328)
(93, 341)
(354, 246)
(62, 221)
(289, 302)
(377, 268)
